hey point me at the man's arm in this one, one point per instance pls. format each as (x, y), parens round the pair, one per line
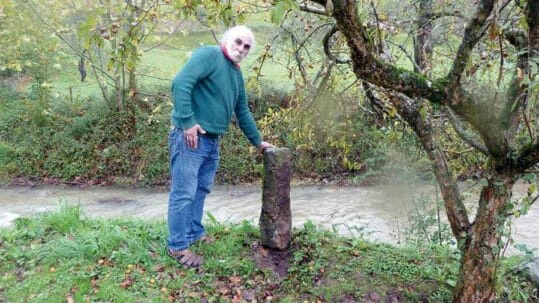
(247, 123)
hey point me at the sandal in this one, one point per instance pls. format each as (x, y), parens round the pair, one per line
(185, 257)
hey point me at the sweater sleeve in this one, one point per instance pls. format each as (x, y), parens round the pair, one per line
(246, 122)
(183, 84)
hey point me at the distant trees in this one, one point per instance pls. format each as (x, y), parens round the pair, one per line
(108, 38)
(27, 48)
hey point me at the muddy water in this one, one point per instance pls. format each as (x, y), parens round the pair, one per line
(377, 212)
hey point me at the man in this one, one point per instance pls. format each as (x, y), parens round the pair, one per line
(206, 92)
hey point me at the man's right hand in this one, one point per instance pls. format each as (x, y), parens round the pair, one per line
(191, 135)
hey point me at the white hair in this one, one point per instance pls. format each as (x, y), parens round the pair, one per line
(234, 32)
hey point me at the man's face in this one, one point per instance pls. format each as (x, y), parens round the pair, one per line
(238, 46)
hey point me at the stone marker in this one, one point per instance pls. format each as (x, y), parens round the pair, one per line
(276, 217)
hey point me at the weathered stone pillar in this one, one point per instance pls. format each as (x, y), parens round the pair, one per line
(276, 217)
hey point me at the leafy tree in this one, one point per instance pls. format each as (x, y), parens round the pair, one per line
(110, 36)
(27, 50)
(486, 86)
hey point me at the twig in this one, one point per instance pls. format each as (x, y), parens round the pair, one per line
(405, 53)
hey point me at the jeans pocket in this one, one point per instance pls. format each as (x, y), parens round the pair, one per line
(175, 141)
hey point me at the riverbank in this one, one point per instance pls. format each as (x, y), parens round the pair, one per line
(379, 213)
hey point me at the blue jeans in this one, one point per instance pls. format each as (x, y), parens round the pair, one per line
(192, 175)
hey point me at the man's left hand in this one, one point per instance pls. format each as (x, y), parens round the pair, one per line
(263, 145)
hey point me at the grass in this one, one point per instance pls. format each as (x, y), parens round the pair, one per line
(64, 255)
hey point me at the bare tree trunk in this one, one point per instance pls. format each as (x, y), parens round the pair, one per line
(118, 87)
(118, 91)
(480, 255)
(133, 102)
(533, 31)
(132, 84)
(423, 43)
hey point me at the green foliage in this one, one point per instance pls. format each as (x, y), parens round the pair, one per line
(28, 48)
(330, 135)
(317, 133)
(355, 267)
(427, 223)
(280, 8)
(81, 140)
(512, 282)
(63, 253)
(88, 139)
(8, 163)
(239, 159)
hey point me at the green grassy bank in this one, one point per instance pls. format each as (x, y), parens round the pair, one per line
(65, 256)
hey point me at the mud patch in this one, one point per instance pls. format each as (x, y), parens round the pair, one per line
(272, 259)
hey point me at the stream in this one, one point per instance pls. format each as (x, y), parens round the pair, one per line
(379, 213)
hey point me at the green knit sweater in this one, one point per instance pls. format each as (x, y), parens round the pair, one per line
(208, 90)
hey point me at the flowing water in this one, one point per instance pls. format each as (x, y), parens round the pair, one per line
(377, 212)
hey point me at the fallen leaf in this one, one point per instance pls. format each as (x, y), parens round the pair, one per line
(126, 283)
(235, 280)
(223, 290)
(69, 298)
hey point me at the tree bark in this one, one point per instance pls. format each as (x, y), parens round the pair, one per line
(532, 15)
(480, 256)
(423, 43)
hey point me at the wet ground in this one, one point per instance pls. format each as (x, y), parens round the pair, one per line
(379, 212)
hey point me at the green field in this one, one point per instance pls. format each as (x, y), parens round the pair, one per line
(159, 65)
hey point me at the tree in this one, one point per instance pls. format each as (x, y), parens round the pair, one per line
(110, 37)
(500, 125)
(27, 51)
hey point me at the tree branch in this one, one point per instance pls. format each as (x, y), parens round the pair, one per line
(516, 104)
(527, 157)
(167, 38)
(78, 52)
(443, 14)
(297, 54)
(366, 66)
(532, 15)
(462, 133)
(312, 9)
(456, 211)
(327, 50)
(472, 33)
(405, 52)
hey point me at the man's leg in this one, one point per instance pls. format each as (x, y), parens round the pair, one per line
(184, 166)
(206, 176)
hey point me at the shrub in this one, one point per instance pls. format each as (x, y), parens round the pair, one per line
(90, 139)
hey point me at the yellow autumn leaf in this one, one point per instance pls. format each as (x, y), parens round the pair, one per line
(493, 31)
